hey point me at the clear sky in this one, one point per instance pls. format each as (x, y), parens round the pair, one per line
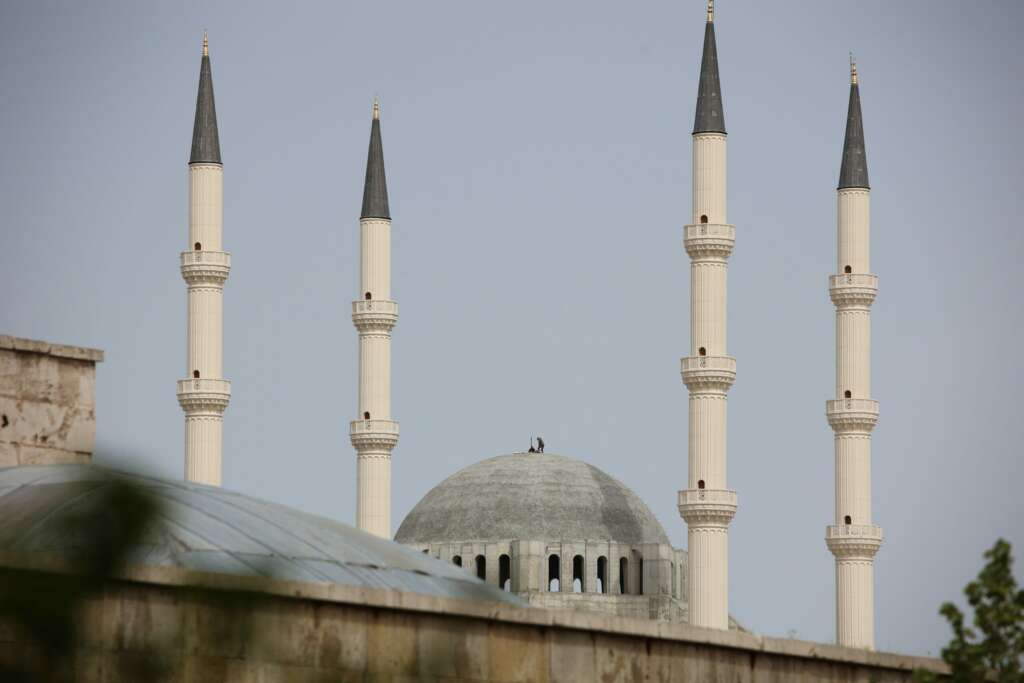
(538, 158)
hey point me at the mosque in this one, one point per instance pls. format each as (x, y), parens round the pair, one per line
(522, 529)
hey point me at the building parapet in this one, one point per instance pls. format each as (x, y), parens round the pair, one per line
(853, 289)
(373, 434)
(852, 414)
(708, 373)
(709, 240)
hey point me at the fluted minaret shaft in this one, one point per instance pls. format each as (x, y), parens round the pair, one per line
(204, 394)
(374, 434)
(707, 504)
(853, 539)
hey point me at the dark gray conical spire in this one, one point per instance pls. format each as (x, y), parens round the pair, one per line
(854, 170)
(375, 190)
(710, 117)
(205, 141)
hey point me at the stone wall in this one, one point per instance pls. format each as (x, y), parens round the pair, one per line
(47, 402)
(292, 631)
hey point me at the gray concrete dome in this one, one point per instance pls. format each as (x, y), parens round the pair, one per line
(527, 496)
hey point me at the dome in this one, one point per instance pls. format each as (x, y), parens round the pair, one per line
(211, 529)
(527, 496)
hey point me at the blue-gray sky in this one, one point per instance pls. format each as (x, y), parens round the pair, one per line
(538, 159)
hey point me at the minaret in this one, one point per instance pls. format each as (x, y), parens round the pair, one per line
(853, 539)
(707, 504)
(204, 395)
(374, 434)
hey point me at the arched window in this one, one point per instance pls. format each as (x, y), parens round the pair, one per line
(505, 572)
(554, 568)
(623, 573)
(367, 296)
(848, 519)
(481, 567)
(577, 574)
(700, 484)
(848, 394)
(366, 415)
(704, 219)
(457, 560)
(195, 374)
(847, 269)
(702, 351)
(602, 574)
(199, 247)
(640, 573)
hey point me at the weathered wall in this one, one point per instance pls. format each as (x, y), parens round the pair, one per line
(47, 402)
(291, 631)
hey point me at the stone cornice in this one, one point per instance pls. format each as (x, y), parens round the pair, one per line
(373, 435)
(204, 395)
(711, 374)
(709, 241)
(374, 315)
(208, 268)
(853, 290)
(852, 415)
(853, 541)
(707, 507)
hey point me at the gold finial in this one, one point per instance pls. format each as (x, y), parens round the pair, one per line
(711, 10)
(853, 69)
(376, 108)
(206, 45)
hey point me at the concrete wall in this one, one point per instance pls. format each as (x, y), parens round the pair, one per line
(290, 631)
(47, 402)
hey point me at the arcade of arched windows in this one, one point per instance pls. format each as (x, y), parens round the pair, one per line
(604, 568)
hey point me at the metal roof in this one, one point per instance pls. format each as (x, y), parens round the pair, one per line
(854, 170)
(212, 529)
(375, 190)
(710, 117)
(205, 139)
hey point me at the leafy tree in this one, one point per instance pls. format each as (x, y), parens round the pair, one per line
(994, 648)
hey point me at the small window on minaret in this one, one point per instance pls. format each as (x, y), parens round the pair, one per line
(700, 484)
(703, 219)
(366, 415)
(368, 296)
(195, 374)
(848, 394)
(848, 519)
(199, 247)
(847, 269)
(702, 351)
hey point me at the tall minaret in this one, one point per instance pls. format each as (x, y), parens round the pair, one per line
(853, 539)
(204, 395)
(374, 434)
(707, 504)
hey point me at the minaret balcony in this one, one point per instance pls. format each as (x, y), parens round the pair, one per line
(708, 373)
(710, 507)
(373, 435)
(709, 240)
(205, 267)
(204, 395)
(374, 315)
(852, 414)
(853, 541)
(853, 289)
